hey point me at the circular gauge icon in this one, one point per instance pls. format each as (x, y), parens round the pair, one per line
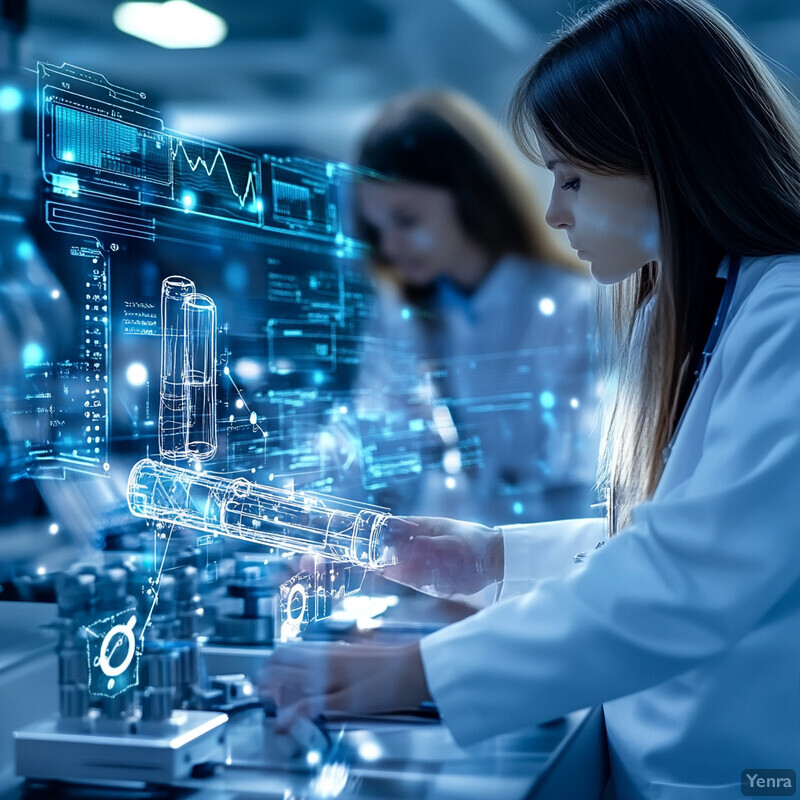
(296, 604)
(118, 636)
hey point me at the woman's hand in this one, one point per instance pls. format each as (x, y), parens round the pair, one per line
(306, 680)
(443, 557)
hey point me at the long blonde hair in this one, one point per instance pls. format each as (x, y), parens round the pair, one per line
(669, 90)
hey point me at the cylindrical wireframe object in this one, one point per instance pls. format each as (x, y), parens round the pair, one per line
(200, 379)
(262, 514)
(173, 412)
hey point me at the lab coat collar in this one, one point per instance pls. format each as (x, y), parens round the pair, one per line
(752, 270)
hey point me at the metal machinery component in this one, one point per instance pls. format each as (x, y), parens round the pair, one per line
(129, 694)
(236, 692)
(255, 585)
(168, 752)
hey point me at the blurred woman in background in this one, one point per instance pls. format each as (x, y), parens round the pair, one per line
(482, 337)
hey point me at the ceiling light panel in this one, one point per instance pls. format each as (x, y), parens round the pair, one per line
(174, 24)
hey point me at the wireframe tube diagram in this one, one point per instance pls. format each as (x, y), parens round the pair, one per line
(187, 425)
(172, 406)
(262, 514)
(266, 515)
(200, 379)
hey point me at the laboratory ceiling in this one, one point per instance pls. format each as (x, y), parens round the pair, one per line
(310, 73)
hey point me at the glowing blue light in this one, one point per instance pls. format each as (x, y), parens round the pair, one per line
(10, 98)
(67, 185)
(406, 313)
(517, 508)
(369, 751)
(136, 374)
(319, 378)
(32, 354)
(68, 155)
(188, 200)
(259, 205)
(25, 250)
(547, 399)
(326, 442)
(248, 369)
(547, 306)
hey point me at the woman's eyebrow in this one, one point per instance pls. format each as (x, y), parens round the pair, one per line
(555, 162)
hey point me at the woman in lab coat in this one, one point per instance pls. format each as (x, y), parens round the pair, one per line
(676, 158)
(482, 334)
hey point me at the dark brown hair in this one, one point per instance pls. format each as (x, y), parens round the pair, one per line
(669, 90)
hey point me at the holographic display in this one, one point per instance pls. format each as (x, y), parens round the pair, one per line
(226, 349)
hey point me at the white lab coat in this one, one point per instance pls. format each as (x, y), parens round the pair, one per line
(687, 624)
(511, 362)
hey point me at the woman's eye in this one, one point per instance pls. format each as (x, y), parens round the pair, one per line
(572, 185)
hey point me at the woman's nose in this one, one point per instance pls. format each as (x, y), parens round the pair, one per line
(557, 216)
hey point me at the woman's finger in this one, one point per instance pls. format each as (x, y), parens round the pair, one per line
(344, 701)
(308, 708)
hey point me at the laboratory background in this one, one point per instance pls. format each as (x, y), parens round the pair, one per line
(246, 315)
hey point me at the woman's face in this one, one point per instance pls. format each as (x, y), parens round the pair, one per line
(610, 220)
(419, 233)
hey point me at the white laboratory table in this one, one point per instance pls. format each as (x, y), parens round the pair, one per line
(368, 759)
